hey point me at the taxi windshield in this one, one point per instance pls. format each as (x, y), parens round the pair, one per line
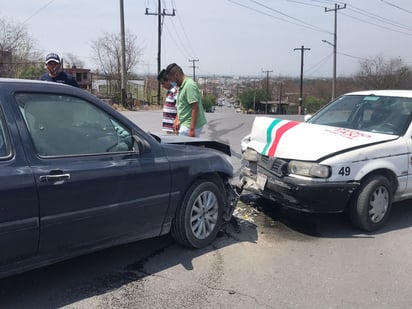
(379, 114)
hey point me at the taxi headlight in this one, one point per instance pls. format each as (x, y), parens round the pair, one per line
(251, 155)
(308, 169)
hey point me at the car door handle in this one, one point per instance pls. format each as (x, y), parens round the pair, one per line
(54, 178)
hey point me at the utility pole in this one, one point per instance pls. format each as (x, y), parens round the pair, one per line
(302, 51)
(194, 67)
(334, 45)
(254, 96)
(160, 17)
(123, 58)
(267, 90)
(280, 98)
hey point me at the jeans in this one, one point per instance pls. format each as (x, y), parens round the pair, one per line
(184, 131)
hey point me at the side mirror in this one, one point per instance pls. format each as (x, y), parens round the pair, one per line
(307, 117)
(140, 145)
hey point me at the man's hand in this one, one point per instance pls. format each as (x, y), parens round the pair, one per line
(192, 132)
(176, 125)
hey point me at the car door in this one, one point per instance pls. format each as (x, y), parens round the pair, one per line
(408, 139)
(404, 107)
(19, 226)
(94, 188)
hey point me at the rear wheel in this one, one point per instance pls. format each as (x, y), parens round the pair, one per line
(198, 219)
(371, 206)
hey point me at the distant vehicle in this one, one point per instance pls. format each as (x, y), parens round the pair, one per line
(77, 176)
(210, 109)
(355, 154)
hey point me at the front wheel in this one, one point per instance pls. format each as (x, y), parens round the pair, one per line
(371, 206)
(198, 219)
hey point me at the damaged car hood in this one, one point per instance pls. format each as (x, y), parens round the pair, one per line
(304, 141)
(193, 141)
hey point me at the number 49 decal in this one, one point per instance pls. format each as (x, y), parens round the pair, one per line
(344, 171)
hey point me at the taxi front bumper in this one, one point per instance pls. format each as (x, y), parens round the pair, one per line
(297, 193)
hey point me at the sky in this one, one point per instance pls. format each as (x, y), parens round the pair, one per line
(250, 38)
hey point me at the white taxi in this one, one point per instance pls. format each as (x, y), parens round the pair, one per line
(354, 154)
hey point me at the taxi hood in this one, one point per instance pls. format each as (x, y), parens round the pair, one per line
(305, 141)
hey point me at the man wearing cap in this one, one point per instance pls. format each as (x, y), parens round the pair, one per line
(55, 71)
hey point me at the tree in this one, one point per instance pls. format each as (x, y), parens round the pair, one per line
(107, 51)
(313, 104)
(380, 74)
(17, 58)
(72, 60)
(209, 101)
(250, 99)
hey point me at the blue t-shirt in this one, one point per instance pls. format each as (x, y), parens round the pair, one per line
(62, 78)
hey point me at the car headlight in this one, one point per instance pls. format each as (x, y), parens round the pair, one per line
(308, 169)
(244, 142)
(250, 155)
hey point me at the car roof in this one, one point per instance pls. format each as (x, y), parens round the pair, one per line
(25, 81)
(386, 93)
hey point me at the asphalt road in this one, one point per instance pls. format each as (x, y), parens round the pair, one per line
(279, 259)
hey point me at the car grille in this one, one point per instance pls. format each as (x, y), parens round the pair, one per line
(275, 165)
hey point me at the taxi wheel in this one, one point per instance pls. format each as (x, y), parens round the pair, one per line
(198, 219)
(372, 203)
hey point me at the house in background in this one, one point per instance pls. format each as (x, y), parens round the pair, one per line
(82, 76)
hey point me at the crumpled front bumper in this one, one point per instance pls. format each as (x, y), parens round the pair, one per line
(298, 193)
(232, 197)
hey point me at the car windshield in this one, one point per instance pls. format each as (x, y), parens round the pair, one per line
(371, 113)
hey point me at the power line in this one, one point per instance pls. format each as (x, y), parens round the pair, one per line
(176, 38)
(37, 11)
(317, 65)
(351, 56)
(367, 14)
(378, 18)
(308, 26)
(396, 6)
(377, 25)
(304, 3)
(183, 29)
(283, 14)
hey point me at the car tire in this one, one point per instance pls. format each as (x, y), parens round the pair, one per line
(372, 203)
(198, 219)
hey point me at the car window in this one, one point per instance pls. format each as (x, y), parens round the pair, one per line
(64, 125)
(381, 114)
(338, 113)
(5, 149)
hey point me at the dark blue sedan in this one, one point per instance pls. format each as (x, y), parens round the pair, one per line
(77, 176)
